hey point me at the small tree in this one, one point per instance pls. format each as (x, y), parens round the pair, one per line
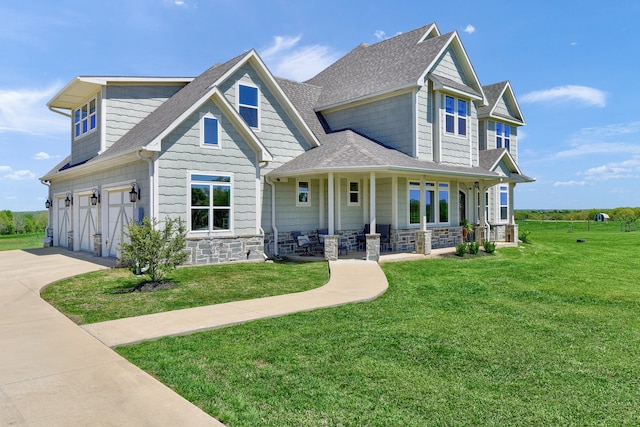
(157, 250)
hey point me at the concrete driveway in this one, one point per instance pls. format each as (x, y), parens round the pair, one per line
(53, 373)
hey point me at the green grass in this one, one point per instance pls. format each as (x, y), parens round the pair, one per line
(21, 241)
(544, 334)
(105, 295)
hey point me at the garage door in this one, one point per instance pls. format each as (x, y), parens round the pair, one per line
(119, 214)
(87, 215)
(62, 222)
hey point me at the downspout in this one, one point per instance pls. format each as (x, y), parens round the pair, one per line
(48, 184)
(273, 214)
(149, 160)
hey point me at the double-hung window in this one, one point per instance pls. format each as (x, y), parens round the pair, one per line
(503, 135)
(210, 203)
(303, 194)
(433, 215)
(248, 104)
(354, 193)
(85, 118)
(455, 115)
(504, 203)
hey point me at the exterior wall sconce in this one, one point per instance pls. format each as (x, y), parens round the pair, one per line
(477, 185)
(47, 204)
(134, 194)
(95, 197)
(69, 200)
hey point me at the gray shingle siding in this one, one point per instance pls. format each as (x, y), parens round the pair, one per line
(449, 66)
(86, 146)
(127, 105)
(388, 121)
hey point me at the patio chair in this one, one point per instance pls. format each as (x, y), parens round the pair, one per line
(305, 242)
(362, 240)
(385, 235)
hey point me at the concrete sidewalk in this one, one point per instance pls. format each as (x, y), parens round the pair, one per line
(52, 373)
(350, 281)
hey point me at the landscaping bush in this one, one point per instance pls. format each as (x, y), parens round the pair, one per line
(461, 249)
(474, 247)
(489, 246)
(523, 235)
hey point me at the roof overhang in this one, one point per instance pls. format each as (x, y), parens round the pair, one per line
(83, 87)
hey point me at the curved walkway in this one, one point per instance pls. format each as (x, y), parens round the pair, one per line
(54, 373)
(350, 281)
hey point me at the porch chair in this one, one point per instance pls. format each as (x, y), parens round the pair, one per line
(385, 235)
(304, 242)
(362, 240)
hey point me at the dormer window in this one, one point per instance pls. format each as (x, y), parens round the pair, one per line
(85, 118)
(248, 104)
(455, 113)
(503, 136)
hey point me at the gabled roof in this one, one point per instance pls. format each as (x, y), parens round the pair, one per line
(394, 64)
(82, 87)
(494, 93)
(490, 159)
(348, 151)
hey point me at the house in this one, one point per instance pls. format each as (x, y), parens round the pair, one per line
(400, 133)
(602, 217)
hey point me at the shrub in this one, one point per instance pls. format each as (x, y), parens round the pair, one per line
(461, 249)
(157, 250)
(489, 247)
(474, 247)
(523, 235)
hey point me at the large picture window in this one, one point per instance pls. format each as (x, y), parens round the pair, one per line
(248, 104)
(85, 118)
(210, 202)
(455, 115)
(430, 202)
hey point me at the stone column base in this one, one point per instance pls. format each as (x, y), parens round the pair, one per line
(373, 247)
(331, 247)
(97, 245)
(480, 233)
(512, 233)
(423, 242)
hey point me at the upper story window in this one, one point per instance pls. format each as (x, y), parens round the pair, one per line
(455, 113)
(210, 206)
(503, 135)
(248, 107)
(85, 118)
(210, 131)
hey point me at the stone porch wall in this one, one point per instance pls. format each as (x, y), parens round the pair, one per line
(216, 250)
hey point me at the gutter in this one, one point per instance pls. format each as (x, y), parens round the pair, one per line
(151, 182)
(273, 214)
(62, 113)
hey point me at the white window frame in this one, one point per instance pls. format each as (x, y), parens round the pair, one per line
(503, 190)
(210, 230)
(298, 192)
(203, 118)
(350, 192)
(505, 140)
(434, 188)
(456, 116)
(91, 119)
(257, 107)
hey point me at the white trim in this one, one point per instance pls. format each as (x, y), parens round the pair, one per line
(85, 103)
(349, 192)
(297, 192)
(203, 144)
(258, 101)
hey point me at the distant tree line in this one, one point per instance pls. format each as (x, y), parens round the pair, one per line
(624, 215)
(22, 222)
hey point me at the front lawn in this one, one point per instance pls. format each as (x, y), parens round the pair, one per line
(547, 333)
(21, 241)
(106, 294)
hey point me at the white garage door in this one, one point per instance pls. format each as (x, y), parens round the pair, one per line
(87, 215)
(61, 221)
(119, 214)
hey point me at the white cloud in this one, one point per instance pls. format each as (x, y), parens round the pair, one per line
(25, 111)
(42, 156)
(627, 169)
(179, 3)
(289, 60)
(569, 183)
(586, 95)
(469, 29)
(21, 175)
(609, 139)
(380, 35)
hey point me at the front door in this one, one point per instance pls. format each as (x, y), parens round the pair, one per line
(119, 215)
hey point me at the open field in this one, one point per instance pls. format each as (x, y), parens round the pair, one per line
(544, 334)
(21, 241)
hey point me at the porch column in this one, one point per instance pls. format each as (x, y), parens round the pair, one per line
(321, 202)
(331, 213)
(512, 220)
(481, 232)
(372, 201)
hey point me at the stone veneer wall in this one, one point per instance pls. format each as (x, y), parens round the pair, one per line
(498, 233)
(218, 250)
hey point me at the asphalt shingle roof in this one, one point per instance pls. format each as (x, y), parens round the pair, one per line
(389, 64)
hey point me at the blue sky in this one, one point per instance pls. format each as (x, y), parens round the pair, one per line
(572, 65)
